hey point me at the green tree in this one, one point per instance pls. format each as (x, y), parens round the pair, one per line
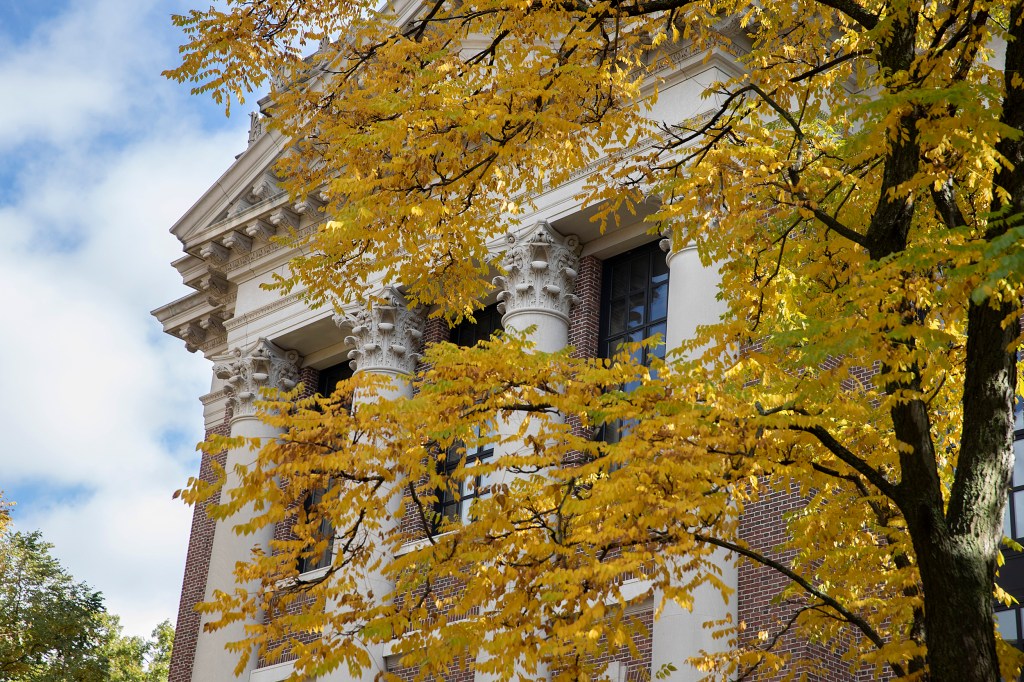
(51, 627)
(132, 658)
(55, 629)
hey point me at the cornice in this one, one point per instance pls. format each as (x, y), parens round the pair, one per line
(266, 250)
(175, 308)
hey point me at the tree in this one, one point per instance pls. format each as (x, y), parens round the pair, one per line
(51, 625)
(134, 658)
(860, 184)
(55, 629)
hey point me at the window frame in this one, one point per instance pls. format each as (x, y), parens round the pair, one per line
(656, 267)
(448, 507)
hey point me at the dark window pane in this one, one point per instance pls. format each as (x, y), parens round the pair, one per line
(637, 308)
(659, 350)
(1018, 512)
(1006, 624)
(617, 317)
(619, 281)
(639, 275)
(659, 268)
(659, 301)
(329, 377)
(1018, 463)
(488, 321)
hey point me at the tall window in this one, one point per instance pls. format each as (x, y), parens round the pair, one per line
(634, 301)
(455, 497)
(1010, 621)
(634, 306)
(326, 384)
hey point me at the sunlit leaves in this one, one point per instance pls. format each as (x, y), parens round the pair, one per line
(843, 178)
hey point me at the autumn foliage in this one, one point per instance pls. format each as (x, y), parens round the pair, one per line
(860, 182)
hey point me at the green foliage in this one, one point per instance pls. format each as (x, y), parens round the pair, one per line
(51, 627)
(56, 629)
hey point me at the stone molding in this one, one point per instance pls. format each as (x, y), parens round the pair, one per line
(262, 311)
(541, 269)
(386, 336)
(246, 371)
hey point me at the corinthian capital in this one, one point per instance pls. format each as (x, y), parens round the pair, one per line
(541, 269)
(386, 336)
(261, 365)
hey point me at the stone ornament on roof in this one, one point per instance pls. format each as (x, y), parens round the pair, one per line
(261, 365)
(541, 269)
(387, 336)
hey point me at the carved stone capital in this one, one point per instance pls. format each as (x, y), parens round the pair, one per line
(386, 337)
(541, 269)
(246, 371)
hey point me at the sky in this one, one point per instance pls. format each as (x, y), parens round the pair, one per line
(99, 410)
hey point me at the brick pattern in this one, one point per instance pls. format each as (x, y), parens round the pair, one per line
(585, 329)
(460, 671)
(637, 669)
(585, 317)
(763, 528)
(436, 330)
(197, 565)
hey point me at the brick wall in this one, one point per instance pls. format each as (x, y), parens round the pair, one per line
(637, 669)
(460, 671)
(763, 528)
(585, 317)
(197, 565)
(585, 327)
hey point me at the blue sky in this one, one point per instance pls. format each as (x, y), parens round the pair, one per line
(99, 155)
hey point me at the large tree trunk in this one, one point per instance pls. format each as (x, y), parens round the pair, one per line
(957, 550)
(956, 574)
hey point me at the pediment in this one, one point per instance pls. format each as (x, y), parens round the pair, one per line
(249, 182)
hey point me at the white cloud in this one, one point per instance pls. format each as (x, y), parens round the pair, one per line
(92, 387)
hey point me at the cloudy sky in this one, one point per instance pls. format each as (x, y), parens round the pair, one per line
(99, 409)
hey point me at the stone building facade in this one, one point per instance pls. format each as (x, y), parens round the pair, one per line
(256, 338)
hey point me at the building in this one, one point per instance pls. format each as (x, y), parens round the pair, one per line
(603, 288)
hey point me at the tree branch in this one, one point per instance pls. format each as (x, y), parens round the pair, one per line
(848, 615)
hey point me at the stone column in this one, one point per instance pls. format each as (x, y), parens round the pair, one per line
(541, 268)
(245, 371)
(386, 340)
(537, 290)
(691, 294)
(679, 634)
